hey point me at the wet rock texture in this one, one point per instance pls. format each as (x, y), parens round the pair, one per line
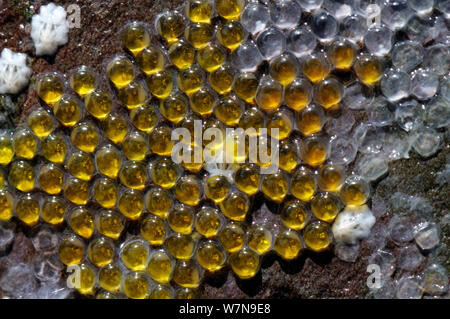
(311, 275)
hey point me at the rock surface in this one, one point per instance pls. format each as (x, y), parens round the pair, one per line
(309, 276)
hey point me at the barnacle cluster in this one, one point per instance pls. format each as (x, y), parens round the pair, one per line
(96, 155)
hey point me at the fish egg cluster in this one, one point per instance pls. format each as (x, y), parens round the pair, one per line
(96, 155)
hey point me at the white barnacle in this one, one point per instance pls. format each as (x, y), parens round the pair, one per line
(49, 29)
(14, 72)
(353, 224)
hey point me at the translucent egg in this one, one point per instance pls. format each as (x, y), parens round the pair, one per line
(284, 68)
(285, 13)
(221, 80)
(288, 156)
(314, 150)
(6, 149)
(135, 37)
(40, 122)
(310, 5)
(50, 179)
(131, 203)
(199, 10)
(232, 237)
(71, 250)
(86, 280)
(329, 92)
(246, 57)
(105, 192)
(81, 221)
(110, 223)
(160, 266)
(342, 54)
(229, 9)
(22, 175)
(50, 88)
(318, 236)
(245, 86)
(298, 94)
(235, 206)
(83, 80)
(354, 27)
(378, 41)
(325, 206)
(150, 60)
(108, 161)
(202, 102)
(252, 121)
(98, 104)
(301, 41)
(132, 95)
(27, 209)
(228, 110)
(85, 137)
(210, 256)
(25, 144)
(158, 202)
(245, 263)
(186, 274)
(110, 277)
(210, 57)
(255, 17)
(161, 292)
(181, 54)
(310, 120)
(174, 108)
(153, 230)
(199, 34)
(160, 84)
(331, 177)
(80, 165)
(368, 68)
(115, 127)
(217, 188)
(259, 239)
(135, 285)
(324, 25)
(160, 141)
(247, 179)
(120, 71)
(190, 80)
(77, 191)
(101, 252)
(287, 244)
(180, 246)
(134, 255)
(355, 191)
(54, 149)
(269, 94)
(170, 26)
(133, 175)
(53, 210)
(134, 146)
(294, 215)
(208, 222)
(165, 173)
(303, 184)
(271, 42)
(279, 121)
(275, 186)
(231, 34)
(316, 67)
(181, 219)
